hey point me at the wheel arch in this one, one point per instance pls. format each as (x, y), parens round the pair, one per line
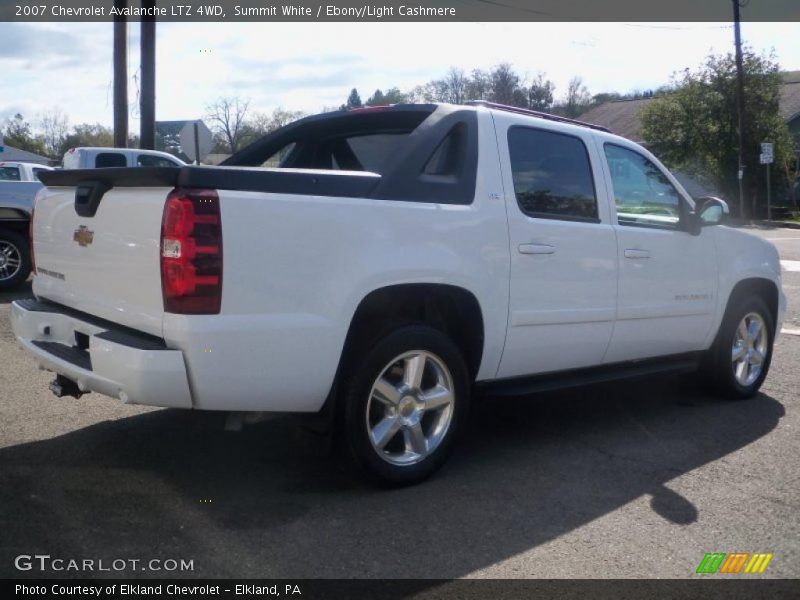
(452, 309)
(15, 220)
(764, 288)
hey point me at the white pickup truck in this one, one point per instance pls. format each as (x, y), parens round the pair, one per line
(392, 260)
(19, 183)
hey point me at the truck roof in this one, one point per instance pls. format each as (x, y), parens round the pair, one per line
(536, 113)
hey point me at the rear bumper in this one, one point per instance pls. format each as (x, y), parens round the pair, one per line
(117, 362)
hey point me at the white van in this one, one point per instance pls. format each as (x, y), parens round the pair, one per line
(98, 158)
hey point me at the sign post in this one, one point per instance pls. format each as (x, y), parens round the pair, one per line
(767, 158)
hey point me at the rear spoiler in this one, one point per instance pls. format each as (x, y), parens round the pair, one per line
(352, 184)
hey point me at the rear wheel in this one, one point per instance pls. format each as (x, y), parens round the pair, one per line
(15, 259)
(743, 350)
(403, 404)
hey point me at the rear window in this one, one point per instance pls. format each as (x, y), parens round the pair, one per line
(36, 172)
(373, 152)
(109, 159)
(9, 174)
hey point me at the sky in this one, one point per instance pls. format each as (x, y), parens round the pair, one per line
(308, 66)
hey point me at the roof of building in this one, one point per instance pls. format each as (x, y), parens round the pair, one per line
(15, 154)
(622, 116)
(790, 99)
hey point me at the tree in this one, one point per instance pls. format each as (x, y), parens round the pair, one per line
(377, 99)
(693, 128)
(55, 127)
(228, 117)
(453, 87)
(353, 100)
(540, 93)
(17, 133)
(479, 86)
(505, 86)
(261, 124)
(577, 99)
(394, 96)
(86, 134)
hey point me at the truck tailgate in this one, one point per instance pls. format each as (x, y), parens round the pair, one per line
(105, 264)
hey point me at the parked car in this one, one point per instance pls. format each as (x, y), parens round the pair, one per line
(396, 260)
(99, 158)
(19, 182)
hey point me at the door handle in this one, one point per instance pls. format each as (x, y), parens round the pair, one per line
(636, 253)
(536, 249)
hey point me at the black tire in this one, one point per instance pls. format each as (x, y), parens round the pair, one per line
(356, 408)
(14, 246)
(721, 368)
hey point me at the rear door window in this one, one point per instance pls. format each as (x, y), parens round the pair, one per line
(9, 174)
(552, 175)
(110, 159)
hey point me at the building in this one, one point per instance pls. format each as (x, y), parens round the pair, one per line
(10, 153)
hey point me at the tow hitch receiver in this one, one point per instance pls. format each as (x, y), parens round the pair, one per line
(61, 386)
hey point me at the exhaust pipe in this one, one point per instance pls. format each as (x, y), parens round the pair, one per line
(61, 386)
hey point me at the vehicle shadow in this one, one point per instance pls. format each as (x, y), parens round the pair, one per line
(267, 502)
(23, 291)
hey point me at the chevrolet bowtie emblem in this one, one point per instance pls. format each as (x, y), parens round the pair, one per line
(83, 235)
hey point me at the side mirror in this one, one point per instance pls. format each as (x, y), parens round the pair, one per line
(712, 211)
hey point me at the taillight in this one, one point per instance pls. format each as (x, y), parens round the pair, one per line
(191, 252)
(30, 230)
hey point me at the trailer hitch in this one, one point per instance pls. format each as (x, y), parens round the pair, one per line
(61, 386)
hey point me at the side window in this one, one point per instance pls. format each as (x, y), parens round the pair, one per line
(9, 174)
(552, 175)
(448, 157)
(109, 159)
(643, 194)
(147, 160)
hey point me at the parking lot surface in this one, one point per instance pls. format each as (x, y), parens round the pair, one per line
(636, 479)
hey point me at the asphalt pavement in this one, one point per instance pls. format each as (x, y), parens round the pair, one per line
(628, 480)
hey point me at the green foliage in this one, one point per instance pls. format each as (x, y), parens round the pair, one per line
(392, 96)
(87, 134)
(353, 100)
(17, 134)
(694, 127)
(540, 93)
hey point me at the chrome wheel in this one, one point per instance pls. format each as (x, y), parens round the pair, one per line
(750, 347)
(10, 260)
(410, 408)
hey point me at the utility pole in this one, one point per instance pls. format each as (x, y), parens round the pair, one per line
(739, 103)
(120, 78)
(147, 100)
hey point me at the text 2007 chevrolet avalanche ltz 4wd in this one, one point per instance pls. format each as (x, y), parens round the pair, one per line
(380, 263)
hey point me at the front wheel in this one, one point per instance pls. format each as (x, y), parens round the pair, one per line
(403, 405)
(743, 350)
(15, 259)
